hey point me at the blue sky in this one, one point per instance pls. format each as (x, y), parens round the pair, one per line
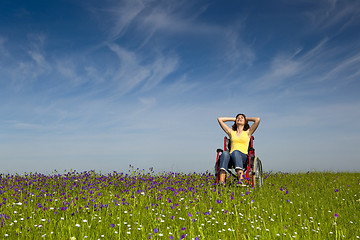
(104, 84)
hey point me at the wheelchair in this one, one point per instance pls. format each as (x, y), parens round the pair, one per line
(253, 167)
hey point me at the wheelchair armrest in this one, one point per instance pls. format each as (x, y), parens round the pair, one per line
(219, 150)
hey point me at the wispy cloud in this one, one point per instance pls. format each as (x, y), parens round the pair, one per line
(25, 69)
(282, 68)
(153, 23)
(310, 67)
(132, 72)
(348, 70)
(122, 14)
(330, 13)
(160, 69)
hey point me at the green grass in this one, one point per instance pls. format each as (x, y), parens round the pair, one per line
(139, 205)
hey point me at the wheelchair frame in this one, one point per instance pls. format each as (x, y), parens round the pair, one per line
(254, 172)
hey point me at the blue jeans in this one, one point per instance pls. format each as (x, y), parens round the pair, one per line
(237, 158)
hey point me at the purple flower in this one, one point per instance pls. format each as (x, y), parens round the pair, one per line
(218, 201)
(336, 215)
(336, 190)
(171, 237)
(112, 225)
(156, 230)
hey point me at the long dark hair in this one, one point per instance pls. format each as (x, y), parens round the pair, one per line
(246, 126)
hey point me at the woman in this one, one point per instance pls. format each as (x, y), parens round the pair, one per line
(239, 137)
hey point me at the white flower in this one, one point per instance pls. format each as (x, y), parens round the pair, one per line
(77, 225)
(84, 220)
(73, 238)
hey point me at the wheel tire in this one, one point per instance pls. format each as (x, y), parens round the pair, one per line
(258, 172)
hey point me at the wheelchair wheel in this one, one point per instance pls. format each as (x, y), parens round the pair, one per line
(258, 172)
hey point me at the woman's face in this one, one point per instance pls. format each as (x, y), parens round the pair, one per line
(240, 120)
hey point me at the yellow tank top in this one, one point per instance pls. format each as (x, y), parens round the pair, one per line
(240, 143)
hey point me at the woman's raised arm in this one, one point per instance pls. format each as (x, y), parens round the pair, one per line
(223, 125)
(255, 125)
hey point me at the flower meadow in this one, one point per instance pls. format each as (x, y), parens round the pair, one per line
(143, 204)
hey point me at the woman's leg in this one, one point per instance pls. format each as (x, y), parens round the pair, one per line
(224, 162)
(239, 160)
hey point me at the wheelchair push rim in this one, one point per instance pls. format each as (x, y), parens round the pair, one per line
(257, 173)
